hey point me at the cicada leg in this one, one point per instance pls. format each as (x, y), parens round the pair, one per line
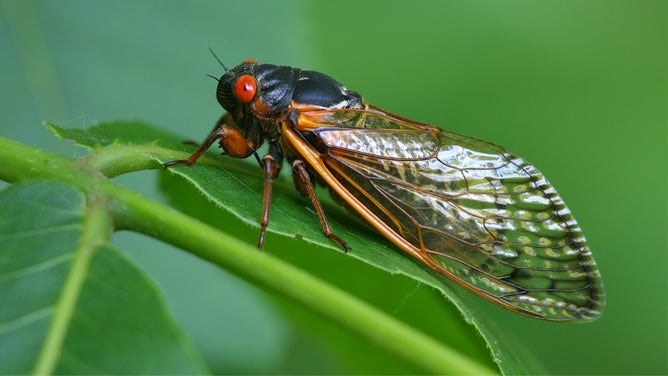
(231, 140)
(217, 133)
(270, 168)
(305, 187)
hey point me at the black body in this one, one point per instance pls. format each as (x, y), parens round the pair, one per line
(278, 86)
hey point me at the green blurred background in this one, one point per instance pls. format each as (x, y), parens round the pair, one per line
(576, 87)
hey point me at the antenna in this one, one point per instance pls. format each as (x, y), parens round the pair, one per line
(219, 62)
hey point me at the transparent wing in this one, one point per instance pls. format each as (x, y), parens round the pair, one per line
(477, 213)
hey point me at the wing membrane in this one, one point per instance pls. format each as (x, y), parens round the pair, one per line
(473, 211)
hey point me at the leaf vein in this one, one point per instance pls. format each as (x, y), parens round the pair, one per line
(25, 320)
(36, 268)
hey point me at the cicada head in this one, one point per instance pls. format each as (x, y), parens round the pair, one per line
(258, 90)
(255, 95)
(226, 93)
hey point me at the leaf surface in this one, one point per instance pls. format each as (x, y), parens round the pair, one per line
(116, 322)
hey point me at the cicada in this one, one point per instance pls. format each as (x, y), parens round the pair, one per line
(466, 209)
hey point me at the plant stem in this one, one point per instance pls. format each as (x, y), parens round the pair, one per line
(274, 274)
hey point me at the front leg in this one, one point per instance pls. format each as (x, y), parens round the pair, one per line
(232, 142)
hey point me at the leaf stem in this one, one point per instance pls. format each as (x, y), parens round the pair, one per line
(274, 274)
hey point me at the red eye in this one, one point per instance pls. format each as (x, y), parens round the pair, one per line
(244, 88)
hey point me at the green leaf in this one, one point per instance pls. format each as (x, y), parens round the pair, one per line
(236, 186)
(239, 192)
(71, 303)
(131, 132)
